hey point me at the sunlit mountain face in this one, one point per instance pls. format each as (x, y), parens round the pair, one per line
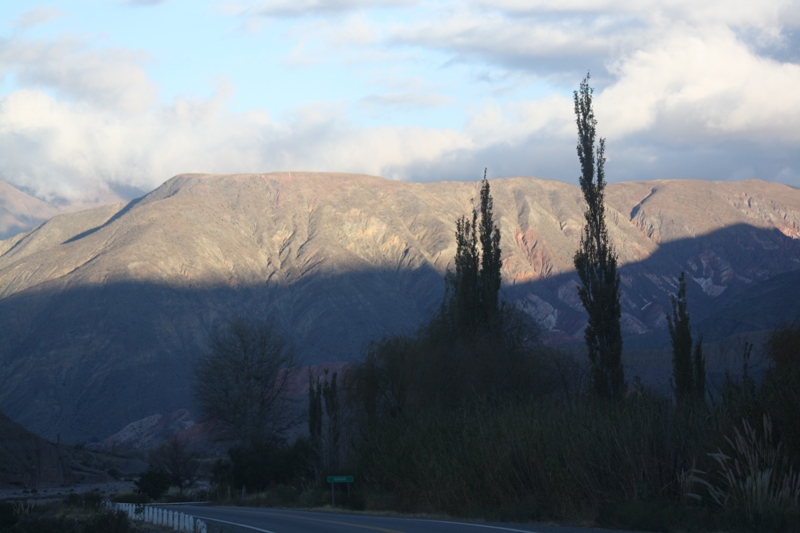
(20, 212)
(104, 310)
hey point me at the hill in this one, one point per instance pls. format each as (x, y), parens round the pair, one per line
(21, 212)
(28, 461)
(103, 310)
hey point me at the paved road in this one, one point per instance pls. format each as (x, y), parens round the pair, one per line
(249, 519)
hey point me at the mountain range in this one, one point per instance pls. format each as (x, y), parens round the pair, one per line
(20, 211)
(102, 311)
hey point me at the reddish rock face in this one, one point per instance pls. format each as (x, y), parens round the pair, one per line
(28, 461)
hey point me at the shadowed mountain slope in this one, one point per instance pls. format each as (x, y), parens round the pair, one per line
(28, 461)
(103, 311)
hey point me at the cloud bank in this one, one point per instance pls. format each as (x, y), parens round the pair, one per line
(681, 92)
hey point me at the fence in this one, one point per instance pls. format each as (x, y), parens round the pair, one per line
(161, 517)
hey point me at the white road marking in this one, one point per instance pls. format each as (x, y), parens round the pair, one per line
(474, 525)
(238, 525)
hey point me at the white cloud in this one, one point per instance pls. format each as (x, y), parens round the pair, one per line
(549, 118)
(113, 78)
(745, 13)
(694, 85)
(511, 41)
(681, 92)
(37, 16)
(406, 100)
(143, 2)
(301, 8)
(569, 36)
(65, 151)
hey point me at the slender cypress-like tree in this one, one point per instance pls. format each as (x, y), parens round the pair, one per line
(699, 371)
(490, 258)
(681, 339)
(688, 366)
(596, 261)
(474, 287)
(465, 283)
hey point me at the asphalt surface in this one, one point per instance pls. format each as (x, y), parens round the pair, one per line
(249, 519)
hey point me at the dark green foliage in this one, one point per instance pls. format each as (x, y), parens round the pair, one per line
(7, 515)
(475, 348)
(491, 261)
(688, 365)
(314, 411)
(153, 483)
(109, 522)
(699, 361)
(637, 463)
(260, 466)
(464, 285)
(596, 261)
(437, 367)
(84, 500)
(241, 382)
(681, 338)
(472, 293)
(130, 497)
(325, 426)
(378, 386)
(783, 346)
(780, 389)
(556, 458)
(334, 427)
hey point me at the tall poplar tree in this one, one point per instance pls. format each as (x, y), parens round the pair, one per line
(688, 366)
(491, 261)
(596, 261)
(465, 282)
(475, 285)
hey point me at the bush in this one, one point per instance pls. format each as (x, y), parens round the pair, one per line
(153, 483)
(109, 522)
(7, 515)
(84, 500)
(557, 459)
(262, 466)
(101, 521)
(130, 497)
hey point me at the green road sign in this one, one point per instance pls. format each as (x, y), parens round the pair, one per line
(340, 479)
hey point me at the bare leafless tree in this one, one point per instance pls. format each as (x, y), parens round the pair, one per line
(179, 460)
(241, 382)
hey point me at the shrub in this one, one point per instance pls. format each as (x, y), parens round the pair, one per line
(153, 483)
(84, 500)
(260, 466)
(553, 459)
(755, 476)
(109, 522)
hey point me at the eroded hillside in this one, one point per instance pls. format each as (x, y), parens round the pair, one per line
(105, 309)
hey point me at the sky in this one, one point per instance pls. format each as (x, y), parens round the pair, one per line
(113, 97)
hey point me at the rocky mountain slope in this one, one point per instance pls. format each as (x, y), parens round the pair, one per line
(103, 310)
(21, 212)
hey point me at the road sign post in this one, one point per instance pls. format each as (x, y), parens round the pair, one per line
(339, 479)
